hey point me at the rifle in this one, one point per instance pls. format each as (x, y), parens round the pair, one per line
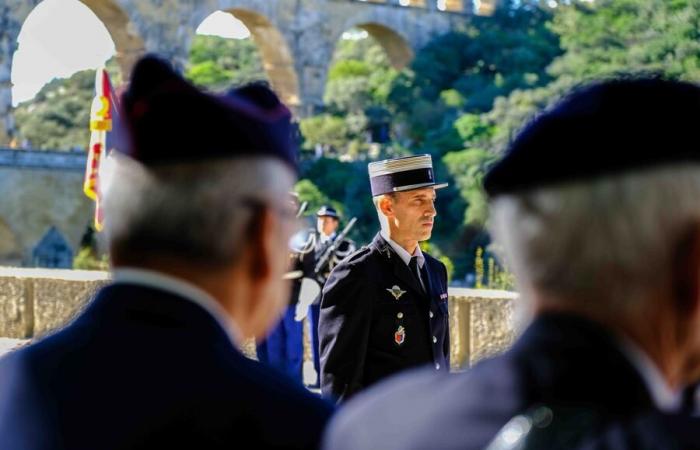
(301, 209)
(331, 248)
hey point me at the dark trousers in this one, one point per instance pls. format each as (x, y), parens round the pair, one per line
(283, 349)
(314, 311)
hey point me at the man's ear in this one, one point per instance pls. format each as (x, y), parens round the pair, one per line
(686, 272)
(260, 244)
(386, 205)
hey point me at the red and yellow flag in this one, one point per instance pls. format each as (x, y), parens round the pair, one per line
(103, 130)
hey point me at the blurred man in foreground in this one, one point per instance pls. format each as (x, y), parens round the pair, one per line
(596, 204)
(197, 225)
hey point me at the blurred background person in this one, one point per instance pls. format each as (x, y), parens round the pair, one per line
(328, 252)
(283, 347)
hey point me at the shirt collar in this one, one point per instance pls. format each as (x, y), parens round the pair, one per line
(183, 289)
(403, 254)
(325, 238)
(665, 398)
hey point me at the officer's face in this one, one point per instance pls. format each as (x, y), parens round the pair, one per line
(412, 214)
(327, 225)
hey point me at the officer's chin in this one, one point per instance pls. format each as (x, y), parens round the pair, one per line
(426, 235)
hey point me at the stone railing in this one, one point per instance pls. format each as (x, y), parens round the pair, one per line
(43, 159)
(33, 302)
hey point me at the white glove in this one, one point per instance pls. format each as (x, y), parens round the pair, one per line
(307, 294)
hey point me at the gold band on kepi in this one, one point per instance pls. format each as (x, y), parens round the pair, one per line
(402, 174)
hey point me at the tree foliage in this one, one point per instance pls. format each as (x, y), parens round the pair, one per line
(58, 117)
(218, 63)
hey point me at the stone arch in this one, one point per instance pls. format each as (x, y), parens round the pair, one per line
(277, 58)
(275, 53)
(128, 43)
(455, 5)
(397, 48)
(12, 18)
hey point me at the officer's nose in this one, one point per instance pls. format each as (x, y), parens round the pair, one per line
(431, 211)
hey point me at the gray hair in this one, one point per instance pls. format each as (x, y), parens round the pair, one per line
(604, 244)
(198, 211)
(383, 221)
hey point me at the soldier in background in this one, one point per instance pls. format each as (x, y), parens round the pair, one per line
(327, 223)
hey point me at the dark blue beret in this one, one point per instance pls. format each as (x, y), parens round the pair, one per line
(603, 129)
(171, 121)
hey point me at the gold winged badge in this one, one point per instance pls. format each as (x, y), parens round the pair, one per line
(396, 292)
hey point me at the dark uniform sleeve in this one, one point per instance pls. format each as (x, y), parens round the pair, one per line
(447, 332)
(344, 326)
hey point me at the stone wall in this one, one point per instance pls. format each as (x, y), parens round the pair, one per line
(35, 199)
(33, 302)
(482, 324)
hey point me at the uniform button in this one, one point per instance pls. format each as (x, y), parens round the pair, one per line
(437, 366)
(400, 315)
(434, 340)
(430, 314)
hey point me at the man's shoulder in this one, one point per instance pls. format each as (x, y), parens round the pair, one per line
(432, 261)
(263, 385)
(358, 259)
(424, 409)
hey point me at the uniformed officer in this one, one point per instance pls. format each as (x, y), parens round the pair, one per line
(384, 308)
(327, 221)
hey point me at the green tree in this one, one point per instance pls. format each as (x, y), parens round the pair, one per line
(358, 85)
(218, 63)
(468, 168)
(612, 36)
(325, 130)
(58, 117)
(310, 193)
(466, 70)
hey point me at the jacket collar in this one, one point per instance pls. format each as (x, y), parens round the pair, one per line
(401, 270)
(182, 290)
(574, 359)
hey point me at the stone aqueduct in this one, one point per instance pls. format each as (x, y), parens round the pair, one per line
(296, 39)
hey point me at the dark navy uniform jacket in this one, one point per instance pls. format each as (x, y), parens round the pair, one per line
(567, 363)
(376, 320)
(654, 431)
(142, 368)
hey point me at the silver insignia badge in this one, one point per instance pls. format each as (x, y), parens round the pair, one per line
(396, 292)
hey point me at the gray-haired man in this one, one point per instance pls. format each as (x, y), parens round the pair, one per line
(596, 204)
(198, 223)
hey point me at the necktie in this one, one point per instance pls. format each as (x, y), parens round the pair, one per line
(415, 270)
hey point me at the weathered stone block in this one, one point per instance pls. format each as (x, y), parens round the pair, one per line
(60, 294)
(15, 314)
(481, 324)
(492, 328)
